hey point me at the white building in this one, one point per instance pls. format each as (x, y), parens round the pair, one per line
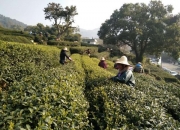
(90, 41)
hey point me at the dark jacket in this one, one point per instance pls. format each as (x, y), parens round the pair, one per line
(63, 56)
(102, 64)
(126, 77)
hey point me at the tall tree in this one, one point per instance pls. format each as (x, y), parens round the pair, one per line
(62, 17)
(143, 27)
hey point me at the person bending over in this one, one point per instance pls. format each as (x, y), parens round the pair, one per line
(63, 56)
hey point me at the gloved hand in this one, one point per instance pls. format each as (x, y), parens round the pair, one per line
(70, 59)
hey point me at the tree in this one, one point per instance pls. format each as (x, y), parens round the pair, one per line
(144, 28)
(62, 17)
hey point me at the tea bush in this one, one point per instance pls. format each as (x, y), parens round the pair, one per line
(63, 43)
(42, 94)
(117, 106)
(81, 50)
(11, 38)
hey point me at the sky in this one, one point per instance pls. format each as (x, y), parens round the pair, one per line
(91, 13)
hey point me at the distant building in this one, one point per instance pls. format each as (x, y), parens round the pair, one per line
(90, 41)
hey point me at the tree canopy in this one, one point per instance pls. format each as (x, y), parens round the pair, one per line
(62, 17)
(49, 33)
(145, 28)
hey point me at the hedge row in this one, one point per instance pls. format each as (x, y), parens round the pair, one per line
(43, 94)
(63, 43)
(79, 95)
(117, 106)
(8, 32)
(12, 38)
(82, 50)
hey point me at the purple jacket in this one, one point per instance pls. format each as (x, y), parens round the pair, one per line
(102, 64)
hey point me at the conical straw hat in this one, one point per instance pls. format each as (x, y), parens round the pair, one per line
(123, 60)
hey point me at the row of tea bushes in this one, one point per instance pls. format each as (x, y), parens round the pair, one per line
(167, 95)
(52, 100)
(117, 106)
(95, 95)
(11, 38)
(14, 36)
(5, 31)
(78, 95)
(46, 97)
(78, 68)
(94, 73)
(110, 65)
(161, 75)
(63, 43)
(19, 60)
(82, 50)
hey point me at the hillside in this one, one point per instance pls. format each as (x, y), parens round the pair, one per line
(7, 22)
(39, 93)
(9, 35)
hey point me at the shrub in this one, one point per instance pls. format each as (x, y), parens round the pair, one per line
(52, 37)
(38, 39)
(43, 94)
(12, 38)
(81, 50)
(63, 43)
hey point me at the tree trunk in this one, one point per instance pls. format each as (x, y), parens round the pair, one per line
(139, 58)
(139, 55)
(59, 32)
(58, 36)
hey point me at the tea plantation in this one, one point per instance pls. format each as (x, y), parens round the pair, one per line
(41, 94)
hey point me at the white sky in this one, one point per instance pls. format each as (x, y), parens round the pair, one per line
(91, 13)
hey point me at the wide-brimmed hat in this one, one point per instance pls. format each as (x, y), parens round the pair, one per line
(102, 58)
(65, 48)
(123, 60)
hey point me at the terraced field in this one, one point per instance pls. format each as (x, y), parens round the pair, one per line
(42, 94)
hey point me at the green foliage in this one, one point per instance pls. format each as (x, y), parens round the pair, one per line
(117, 106)
(42, 94)
(145, 28)
(4, 31)
(73, 37)
(63, 43)
(11, 38)
(38, 39)
(47, 33)
(14, 36)
(159, 74)
(82, 50)
(102, 48)
(62, 17)
(52, 37)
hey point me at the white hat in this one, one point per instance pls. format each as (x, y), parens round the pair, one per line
(65, 48)
(123, 60)
(102, 58)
